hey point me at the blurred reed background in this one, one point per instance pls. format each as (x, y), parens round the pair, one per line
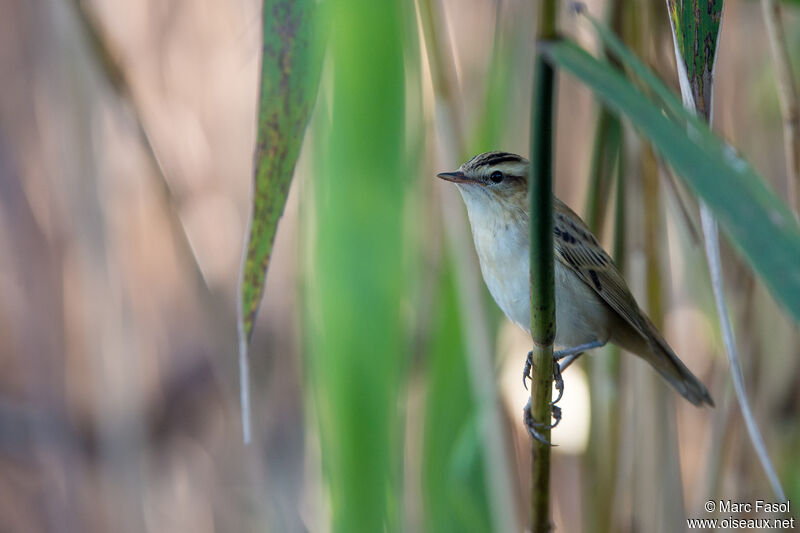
(386, 383)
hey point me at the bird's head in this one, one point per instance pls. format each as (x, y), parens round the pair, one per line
(492, 182)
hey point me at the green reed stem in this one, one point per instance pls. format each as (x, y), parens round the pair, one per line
(543, 323)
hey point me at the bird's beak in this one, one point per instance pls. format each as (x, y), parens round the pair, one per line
(455, 177)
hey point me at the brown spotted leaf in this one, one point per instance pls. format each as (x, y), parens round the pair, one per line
(289, 79)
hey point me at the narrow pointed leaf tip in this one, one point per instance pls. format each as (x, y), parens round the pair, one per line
(695, 25)
(288, 88)
(289, 77)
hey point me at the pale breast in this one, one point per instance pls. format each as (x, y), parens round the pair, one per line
(581, 315)
(502, 249)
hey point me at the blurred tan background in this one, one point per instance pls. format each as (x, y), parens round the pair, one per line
(123, 205)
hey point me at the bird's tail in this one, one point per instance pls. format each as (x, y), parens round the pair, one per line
(675, 372)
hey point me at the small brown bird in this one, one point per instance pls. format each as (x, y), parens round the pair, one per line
(593, 303)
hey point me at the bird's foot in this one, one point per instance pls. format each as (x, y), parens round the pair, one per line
(531, 425)
(559, 383)
(526, 372)
(561, 360)
(557, 368)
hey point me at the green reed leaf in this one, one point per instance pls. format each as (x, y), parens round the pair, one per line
(758, 223)
(357, 287)
(289, 78)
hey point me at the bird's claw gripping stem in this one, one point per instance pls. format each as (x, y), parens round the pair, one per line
(559, 382)
(531, 425)
(526, 372)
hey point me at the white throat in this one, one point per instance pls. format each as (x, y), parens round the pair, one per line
(502, 244)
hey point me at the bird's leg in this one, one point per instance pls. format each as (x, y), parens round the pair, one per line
(568, 360)
(576, 350)
(569, 353)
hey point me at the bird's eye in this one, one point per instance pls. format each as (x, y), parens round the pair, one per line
(496, 176)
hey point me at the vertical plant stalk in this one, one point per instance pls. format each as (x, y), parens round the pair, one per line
(543, 316)
(601, 171)
(696, 66)
(357, 339)
(497, 463)
(711, 232)
(607, 135)
(790, 104)
(600, 457)
(604, 399)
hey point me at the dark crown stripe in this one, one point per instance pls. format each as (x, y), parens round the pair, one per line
(498, 160)
(495, 158)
